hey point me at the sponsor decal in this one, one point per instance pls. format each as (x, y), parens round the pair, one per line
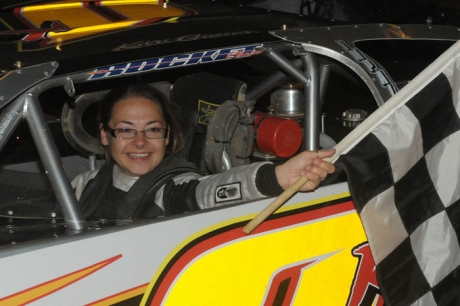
(186, 59)
(205, 111)
(229, 192)
(313, 253)
(284, 283)
(191, 37)
(364, 290)
(128, 297)
(41, 290)
(370, 66)
(41, 27)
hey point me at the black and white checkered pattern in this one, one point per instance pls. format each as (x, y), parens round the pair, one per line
(405, 180)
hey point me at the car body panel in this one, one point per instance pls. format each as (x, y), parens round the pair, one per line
(200, 260)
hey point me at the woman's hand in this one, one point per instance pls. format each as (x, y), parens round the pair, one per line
(308, 164)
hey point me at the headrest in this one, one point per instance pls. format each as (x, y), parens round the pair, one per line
(198, 95)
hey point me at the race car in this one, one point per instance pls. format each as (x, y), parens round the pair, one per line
(305, 83)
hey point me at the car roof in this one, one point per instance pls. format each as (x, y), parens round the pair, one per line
(84, 36)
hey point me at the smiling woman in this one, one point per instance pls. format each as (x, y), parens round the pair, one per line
(136, 153)
(144, 178)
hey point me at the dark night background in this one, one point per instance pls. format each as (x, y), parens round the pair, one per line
(436, 12)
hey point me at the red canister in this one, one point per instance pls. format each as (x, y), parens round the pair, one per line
(277, 136)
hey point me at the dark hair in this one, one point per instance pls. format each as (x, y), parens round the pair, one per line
(144, 90)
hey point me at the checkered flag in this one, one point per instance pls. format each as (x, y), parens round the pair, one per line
(403, 168)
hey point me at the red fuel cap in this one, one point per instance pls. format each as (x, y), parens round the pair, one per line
(276, 135)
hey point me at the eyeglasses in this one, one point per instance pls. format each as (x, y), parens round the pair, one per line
(151, 133)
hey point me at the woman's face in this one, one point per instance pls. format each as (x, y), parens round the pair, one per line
(139, 155)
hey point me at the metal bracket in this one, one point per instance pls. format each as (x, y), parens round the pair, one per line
(299, 51)
(19, 80)
(69, 87)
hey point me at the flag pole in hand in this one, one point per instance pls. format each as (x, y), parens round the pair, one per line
(283, 197)
(270, 209)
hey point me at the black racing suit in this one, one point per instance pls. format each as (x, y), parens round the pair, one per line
(173, 187)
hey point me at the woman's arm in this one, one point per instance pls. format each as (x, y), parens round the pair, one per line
(244, 183)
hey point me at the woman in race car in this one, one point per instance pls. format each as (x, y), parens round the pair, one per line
(144, 178)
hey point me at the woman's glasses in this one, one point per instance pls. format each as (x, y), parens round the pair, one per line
(151, 133)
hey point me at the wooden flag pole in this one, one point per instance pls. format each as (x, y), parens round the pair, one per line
(281, 199)
(270, 209)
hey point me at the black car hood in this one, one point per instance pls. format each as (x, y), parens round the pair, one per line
(103, 35)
